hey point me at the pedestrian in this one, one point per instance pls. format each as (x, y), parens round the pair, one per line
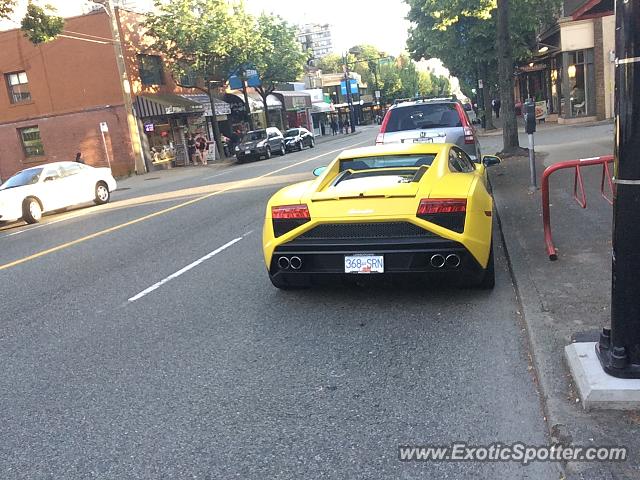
(322, 128)
(334, 127)
(191, 149)
(340, 126)
(346, 126)
(79, 158)
(496, 107)
(202, 148)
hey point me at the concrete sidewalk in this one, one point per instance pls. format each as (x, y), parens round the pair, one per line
(570, 296)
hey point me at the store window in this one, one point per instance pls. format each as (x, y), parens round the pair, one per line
(151, 71)
(580, 98)
(18, 86)
(31, 142)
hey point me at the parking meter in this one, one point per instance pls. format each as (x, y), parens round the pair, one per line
(529, 116)
(530, 127)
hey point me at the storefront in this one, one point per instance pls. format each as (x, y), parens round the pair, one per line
(166, 119)
(223, 111)
(238, 115)
(297, 105)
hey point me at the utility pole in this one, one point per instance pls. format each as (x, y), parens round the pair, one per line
(132, 122)
(214, 118)
(349, 99)
(247, 107)
(619, 347)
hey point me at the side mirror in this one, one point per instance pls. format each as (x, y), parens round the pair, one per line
(490, 160)
(319, 171)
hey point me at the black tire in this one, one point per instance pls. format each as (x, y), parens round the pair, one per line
(300, 146)
(31, 210)
(283, 150)
(267, 153)
(312, 144)
(103, 195)
(489, 278)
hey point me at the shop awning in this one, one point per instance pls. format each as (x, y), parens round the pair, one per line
(161, 104)
(294, 100)
(255, 101)
(222, 107)
(321, 107)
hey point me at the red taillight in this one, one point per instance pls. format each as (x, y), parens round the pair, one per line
(431, 206)
(469, 134)
(380, 139)
(385, 121)
(290, 211)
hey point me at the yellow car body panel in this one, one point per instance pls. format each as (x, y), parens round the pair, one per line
(394, 203)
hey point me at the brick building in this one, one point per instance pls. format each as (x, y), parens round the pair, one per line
(56, 96)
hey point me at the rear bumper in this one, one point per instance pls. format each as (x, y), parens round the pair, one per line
(402, 258)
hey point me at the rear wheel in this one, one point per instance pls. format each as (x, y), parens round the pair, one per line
(489, 279)
(31, 210)
(102, 193)
(312, 144)
(267, 154)
(283, 150)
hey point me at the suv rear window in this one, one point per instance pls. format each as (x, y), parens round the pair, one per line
(423, 116)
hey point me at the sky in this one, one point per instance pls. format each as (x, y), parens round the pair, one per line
(380, 23)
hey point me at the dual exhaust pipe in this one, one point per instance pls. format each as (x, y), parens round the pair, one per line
(295, 263)
(439, 261)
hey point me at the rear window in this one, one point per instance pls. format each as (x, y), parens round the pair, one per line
(423, 116)
(387, 161)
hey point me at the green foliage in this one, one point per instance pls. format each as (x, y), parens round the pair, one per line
(280, 58)
(331, 63)
(462, 33)
(207, 38)
(6, 8)
(37, 25)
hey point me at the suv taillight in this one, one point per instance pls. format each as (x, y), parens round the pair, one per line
(449, 213)
(288, 217)
(469, 136)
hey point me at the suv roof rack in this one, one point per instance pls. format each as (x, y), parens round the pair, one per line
(425, 99)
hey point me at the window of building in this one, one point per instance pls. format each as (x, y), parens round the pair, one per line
(31, 141)
(151, 71)
(18, 86)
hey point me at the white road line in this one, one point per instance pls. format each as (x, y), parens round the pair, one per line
(186, 269)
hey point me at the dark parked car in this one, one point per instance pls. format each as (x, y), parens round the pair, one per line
(298, 138)
(260, 143)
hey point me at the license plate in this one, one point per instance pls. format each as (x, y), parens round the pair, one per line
(247, 152)
(423, 140)
(364, 264)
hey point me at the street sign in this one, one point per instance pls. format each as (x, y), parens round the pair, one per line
(104, 128)
(354, 86)
(251, 74)
(377, 93)
(480, 84)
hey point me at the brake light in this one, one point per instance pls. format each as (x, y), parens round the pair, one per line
(469, 134)
(290, 211)
(431, 206)
(449, 213)
(380, 139)
(385, 121)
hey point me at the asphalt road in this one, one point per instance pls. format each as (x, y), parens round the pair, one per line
(118, 362)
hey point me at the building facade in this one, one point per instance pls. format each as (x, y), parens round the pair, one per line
(66, 96)
(316, 38)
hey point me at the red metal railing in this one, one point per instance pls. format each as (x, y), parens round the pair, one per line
(578, 191)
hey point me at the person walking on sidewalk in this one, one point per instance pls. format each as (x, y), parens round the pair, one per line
(202, 148)
(346, 126)
(340, 126)
(496, 106)
(334, 127)
(191, 149)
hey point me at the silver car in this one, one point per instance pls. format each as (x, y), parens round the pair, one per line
(437, 120)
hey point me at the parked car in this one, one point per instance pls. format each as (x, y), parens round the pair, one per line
(35, 191)
(260, 143)
(439, 120)
(298, 138)
(420, 211)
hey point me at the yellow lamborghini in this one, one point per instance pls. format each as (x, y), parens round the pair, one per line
(421, 209)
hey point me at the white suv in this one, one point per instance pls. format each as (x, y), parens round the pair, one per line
(437, 120)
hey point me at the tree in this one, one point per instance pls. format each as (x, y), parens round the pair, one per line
(40, 27)
(6, 8)
(331, 63)
(279, 59)
(462, 34)
(208, 39)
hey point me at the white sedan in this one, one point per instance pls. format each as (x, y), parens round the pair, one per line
(53, 186)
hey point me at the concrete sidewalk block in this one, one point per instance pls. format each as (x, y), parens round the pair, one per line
(597, 389)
